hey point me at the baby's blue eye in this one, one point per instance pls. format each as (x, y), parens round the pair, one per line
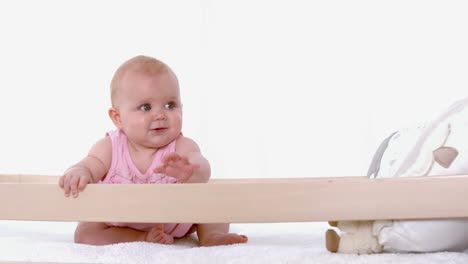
(170, 105)
(145, 107)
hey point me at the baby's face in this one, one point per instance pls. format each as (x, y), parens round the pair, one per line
(150, 109)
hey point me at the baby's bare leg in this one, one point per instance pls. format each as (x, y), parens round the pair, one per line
(102, 234)
(217, 234)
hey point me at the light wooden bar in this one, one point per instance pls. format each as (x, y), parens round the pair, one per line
(38, 198)
(27, 178)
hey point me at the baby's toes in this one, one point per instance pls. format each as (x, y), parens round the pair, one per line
(157, 235)
(163, 238)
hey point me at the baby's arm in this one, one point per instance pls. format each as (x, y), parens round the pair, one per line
(191, 150)
(186, 164)
(89, 170)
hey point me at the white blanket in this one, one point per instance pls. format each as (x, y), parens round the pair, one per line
(268, 243)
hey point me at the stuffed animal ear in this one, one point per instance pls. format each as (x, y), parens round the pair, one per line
(445, 156)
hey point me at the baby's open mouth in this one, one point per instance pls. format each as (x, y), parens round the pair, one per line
(159, 129)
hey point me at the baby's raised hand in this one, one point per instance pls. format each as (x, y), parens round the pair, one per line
(75, 180)
(177, 166)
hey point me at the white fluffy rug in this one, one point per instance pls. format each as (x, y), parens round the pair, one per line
(268, 243)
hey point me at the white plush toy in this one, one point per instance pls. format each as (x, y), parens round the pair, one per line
(439, 147)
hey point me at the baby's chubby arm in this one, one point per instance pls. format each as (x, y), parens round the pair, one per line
(186, 164)
(91, 169)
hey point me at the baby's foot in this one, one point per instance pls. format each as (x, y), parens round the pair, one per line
(223, 239)
(157, 235)
(332, 240)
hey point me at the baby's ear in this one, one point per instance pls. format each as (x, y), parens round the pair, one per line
(115, 117)
(445, 156)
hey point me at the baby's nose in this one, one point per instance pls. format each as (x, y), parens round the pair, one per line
(159, 115)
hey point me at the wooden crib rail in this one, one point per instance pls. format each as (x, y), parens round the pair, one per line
(30, 197)
(27, 178)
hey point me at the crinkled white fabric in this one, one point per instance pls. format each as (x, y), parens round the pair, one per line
(449, 129)
(398, 147)
(425, 236)
(409, 151)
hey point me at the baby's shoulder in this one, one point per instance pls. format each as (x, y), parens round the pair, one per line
(186, 145)
(102, 147)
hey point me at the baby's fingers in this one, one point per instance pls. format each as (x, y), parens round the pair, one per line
(190, 168)
(82, 183)
(61, 181)
(174, 157)
(184, 160)
(160, 169)
(66, 185)
(74, 186)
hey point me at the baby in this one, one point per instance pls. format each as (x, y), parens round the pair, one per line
(147, 147)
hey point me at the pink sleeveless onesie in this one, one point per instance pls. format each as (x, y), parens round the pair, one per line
(123, 170)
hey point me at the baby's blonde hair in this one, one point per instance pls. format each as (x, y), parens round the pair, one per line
(139, 64)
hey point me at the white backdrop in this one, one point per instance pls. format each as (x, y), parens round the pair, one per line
(270, 88)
